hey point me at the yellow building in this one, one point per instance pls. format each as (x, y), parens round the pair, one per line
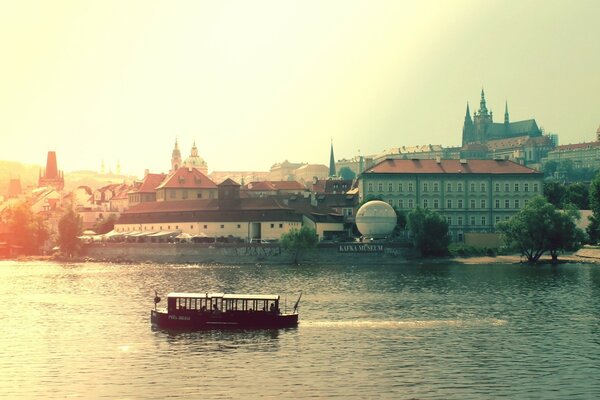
(228, 216)
(186, 183)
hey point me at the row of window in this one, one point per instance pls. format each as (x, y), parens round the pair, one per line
(168, 227)
(472, 220)
(435, 187)
(458, 204)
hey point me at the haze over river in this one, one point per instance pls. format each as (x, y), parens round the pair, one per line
(440, 331)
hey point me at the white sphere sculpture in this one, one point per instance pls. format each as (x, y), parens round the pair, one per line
(376, 219)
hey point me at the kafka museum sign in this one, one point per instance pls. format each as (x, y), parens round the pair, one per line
(360, 248)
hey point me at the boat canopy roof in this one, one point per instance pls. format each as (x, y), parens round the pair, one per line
(224, 296)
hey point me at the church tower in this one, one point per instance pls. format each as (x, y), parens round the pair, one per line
(331, 162)
(51, 177)
(195, 161)
(468, 135)
(482, 119)
(175, 157)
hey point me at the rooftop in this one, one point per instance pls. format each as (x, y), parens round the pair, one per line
(450, 167)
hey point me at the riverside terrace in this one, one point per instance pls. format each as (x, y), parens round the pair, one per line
(246, 219)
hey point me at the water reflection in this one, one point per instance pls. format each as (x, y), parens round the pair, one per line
(261, 340)
(407, 331)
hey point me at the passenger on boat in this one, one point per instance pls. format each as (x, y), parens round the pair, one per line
(216, 309)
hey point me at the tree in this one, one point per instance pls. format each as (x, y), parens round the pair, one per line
(346, 173)
(550, 168)
(429, 231)
(540, 227)
(105, 225)
(565, 236)
(593, 229)
(578, 195)
(296, 241)
(28, 231)
(401, 221)
(69, 228)
(554, 191)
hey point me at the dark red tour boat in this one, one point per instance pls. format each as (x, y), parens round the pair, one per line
(222, 311)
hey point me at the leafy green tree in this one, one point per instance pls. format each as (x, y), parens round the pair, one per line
(565, 236)
(105, 225)
(593, 229)
(347, 174)
(550, 168)
(297, 241)
(27, 229)
(69, 228)
(577, 194)
(539, 227)
(555, 192)
(429, 231)
(565, 169)
(401, 220)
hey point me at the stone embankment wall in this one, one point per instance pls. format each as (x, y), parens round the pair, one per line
(201, 253)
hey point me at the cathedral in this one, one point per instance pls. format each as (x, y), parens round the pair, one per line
(482, 128)
(193, 161)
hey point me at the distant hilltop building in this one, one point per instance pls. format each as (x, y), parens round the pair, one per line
(482, 127)
(523, 142)
(193, 161)
(580, 155)
(51, 177)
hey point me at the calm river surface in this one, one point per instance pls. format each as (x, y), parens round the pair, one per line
(409, 331)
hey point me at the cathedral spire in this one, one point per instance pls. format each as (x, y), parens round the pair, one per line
(482, 107)
(506, 112)
(468, 114)
(331, 162)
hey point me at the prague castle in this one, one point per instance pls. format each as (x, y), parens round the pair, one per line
(482, 128)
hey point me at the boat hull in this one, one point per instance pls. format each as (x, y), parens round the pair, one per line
(226, 320)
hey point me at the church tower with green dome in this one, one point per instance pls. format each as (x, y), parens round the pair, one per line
(195, 161)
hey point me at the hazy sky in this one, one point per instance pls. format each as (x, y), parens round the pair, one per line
(258, 82)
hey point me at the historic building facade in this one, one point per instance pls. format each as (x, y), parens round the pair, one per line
(473, 195)
(519, 141)
(482, 127)
(229, 215)
(582, 155)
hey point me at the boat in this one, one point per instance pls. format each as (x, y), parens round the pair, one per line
(199, 311)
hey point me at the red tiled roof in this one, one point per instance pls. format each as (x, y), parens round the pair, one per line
(273, 186)
(450, 167)
(577, 146)
(149, 184)
(187, 178)
(288, 185)
(319, 186)
(259, 186)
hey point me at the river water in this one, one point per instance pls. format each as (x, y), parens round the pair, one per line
(441, 331)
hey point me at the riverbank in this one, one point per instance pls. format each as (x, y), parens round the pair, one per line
(263, 256)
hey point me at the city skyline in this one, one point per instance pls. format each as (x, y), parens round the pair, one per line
(257, 83)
